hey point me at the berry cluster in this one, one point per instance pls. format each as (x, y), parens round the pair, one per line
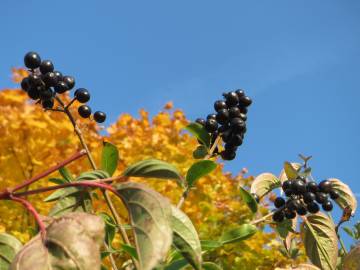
(44, 83)
(229, 122)
(304, 197)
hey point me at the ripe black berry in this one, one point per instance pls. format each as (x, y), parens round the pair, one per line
(313, 207)
(58, 75)
(290, 214)
(223, 128)
(61, 87)
(25, 84)
(309, 197)
(243, 116)
(292, 204)
(234, 112)
(222, 116)
(327, 206)
(301, 210)
(219, 105)
(279, 202)
(211, 125)
(299, 187)
(226, 136)
(99, 116)
(288, 184)
(320, 197)
(237, 125)
(200, 121)
(312, 187)
(278, 216)
(46, 94)
(50, 79)
(325, 186)
(232, 99)
(82, 95)
(47, 103)
(70, 81)
(35, 80)
(236, 140)
(33, 93)
(334, 194)
(46, 66)
(228, 155)
(32, 60)
(245, 101)
(288, 192)
(211, 116)
(240, 93)
(243, 110)
(84, 111)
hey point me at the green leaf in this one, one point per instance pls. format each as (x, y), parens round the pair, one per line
(109, 158)
(346, 198)
(199, 132)
(349, 232)
(93, 175)
(9, 246)
(176, 265)
(264, 183)
(77, 202)
(130, 250)
(58, 181)
(285, 227)
(185, 237)
(150, 214)
(210, 266)
(198, 170)
(351, 260)
(65, 173)
(320, 241)
(210, 244)
(289, 169)
(110, 228)
(248, 199)
(241, 233)
(153, 168)
(56, 195)
(200, 152)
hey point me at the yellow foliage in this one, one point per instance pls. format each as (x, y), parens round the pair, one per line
(32, 140)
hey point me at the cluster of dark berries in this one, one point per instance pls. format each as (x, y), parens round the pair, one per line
(44, 83)
(229, 122)
(304, 197)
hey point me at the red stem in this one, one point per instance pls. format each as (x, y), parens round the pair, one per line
(49, 171)
(33, 211)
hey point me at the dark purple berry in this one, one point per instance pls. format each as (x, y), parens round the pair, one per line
(211, 116)
(58, 75)
(99, 116)
(299, 187)
(46, 66)
(61, 87)
(25, 84)
(313, 207)
(211, 125)
(240, 93)
(243, 110)
(220, 105)
(228, 155)
(222, 116)
(327, 206)
(237, 125)
(84, 111)
(288, 192)
(288, 184)
(301, 210)
(312, 187)
(292, 204)
(70, 81)
(200, 121)
(226, 136)
(82, 95)
(50, 79)
(47, 103)
(325, 186)
(35, 80)
(32, 60)
(223, 128)
(309, 197)
(232, 99)
(321, 197)
(33, 93)
(245, 101)
(46, 94)
(290, 214)
(243, 116)
(334, 194)
(278, 216)
(236, 140)
(279, 202)
(234, 112)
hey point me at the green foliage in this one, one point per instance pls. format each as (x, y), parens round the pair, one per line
(199, 132)
(109, 158)
(9, 246)
(241, 233)
(198, 170)
(248, 199)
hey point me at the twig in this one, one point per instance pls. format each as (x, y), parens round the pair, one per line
(262, 219)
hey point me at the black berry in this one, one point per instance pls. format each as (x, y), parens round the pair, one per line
(46, 94)
(46, 66)
(320, 197)
(309, 197)
(278, 216)
(312, 187)
(99, 116)
(237, 125)
(219, 105)
(222, 116)
(313, 207)
(334, 194)
(301, 210)
(25, 84)
(32, 60)
(35, 80)
(50, 79)
(58, 75)
(234, 112)
(279, 202)
(232, 99)
(61, 87)
(245, 101)
(288, 184)
(211, 125)
(226, 136)
(240, 93)
(82, 95)
(211, 116)
(228, 155)
(292, 204)
(327, 206)
(243, 110)
(33, 93)
(70, 81)
(325, 186)
(288, 192)
(243, 116)
(299, 187)
(201, 121)
(47, 103)
(290, 214)
(236, 140)
(84, 111)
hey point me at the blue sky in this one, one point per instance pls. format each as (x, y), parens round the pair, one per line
(298, 60)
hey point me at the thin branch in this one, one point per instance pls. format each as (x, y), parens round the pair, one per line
(50, 170)
(70, 103)
(262, 219)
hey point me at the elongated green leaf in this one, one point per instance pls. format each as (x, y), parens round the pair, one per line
(199, 169)
(185, 237)
(65, 173)
(130, 250)
(153, 168)
(93, 175)
(109, 158)
(77, 202)
(346, 198)
(210, 244)
(200, 152)
(110, 228)
(351, 260)
(240, 233)
(285, 227)
(320, 241)
(177, 265)
(9, 246)
(264, 183)
(210, 266)
(289, 169)
(150, 214)
(248, 199)
(199, 132)
(58, 181)
(62, 193)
